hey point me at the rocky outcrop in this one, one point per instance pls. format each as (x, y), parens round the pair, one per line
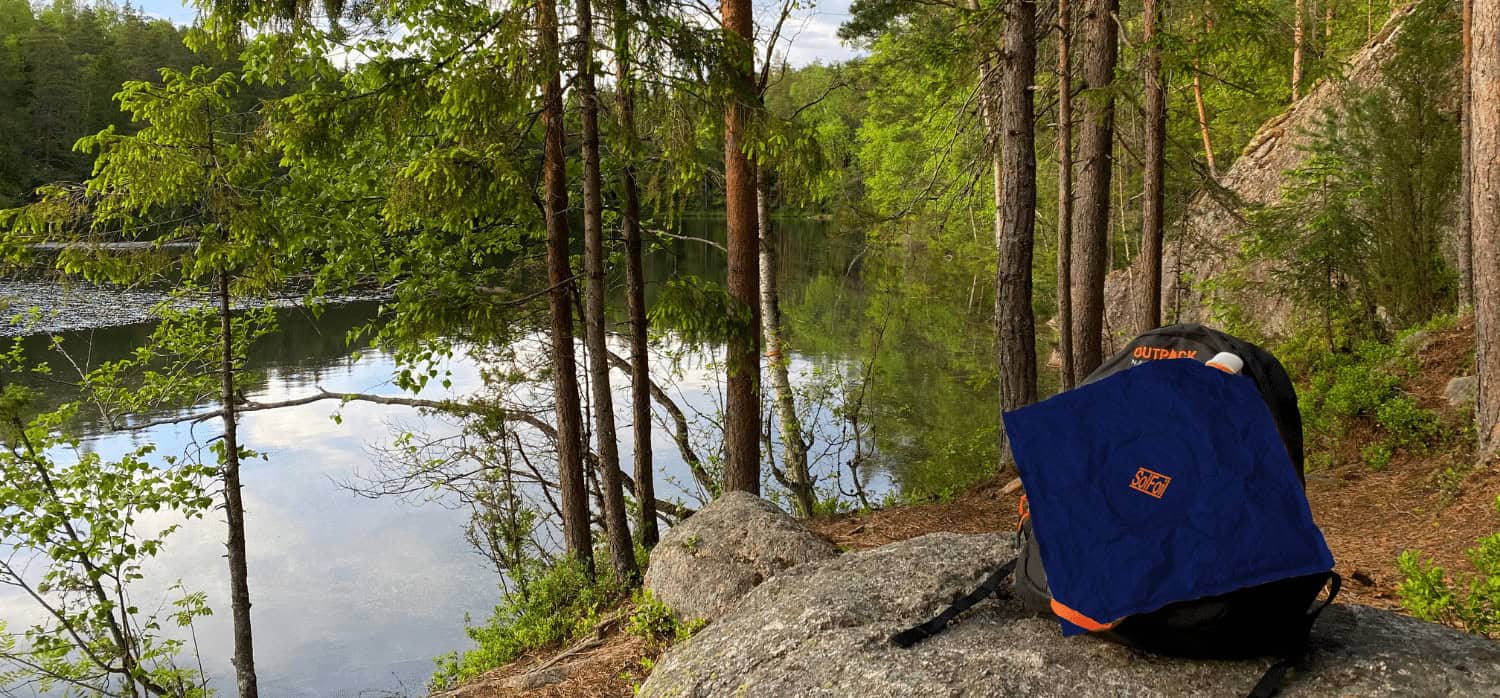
(821, 630)
(1204, 244)
(704, 565)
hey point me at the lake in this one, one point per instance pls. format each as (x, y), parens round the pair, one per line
(354, 596)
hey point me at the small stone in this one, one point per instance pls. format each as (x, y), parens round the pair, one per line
(1461, 391)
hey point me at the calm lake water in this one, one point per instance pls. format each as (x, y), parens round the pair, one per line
(355, 596)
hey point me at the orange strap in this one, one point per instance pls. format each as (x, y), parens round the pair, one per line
(1079, 619)
(1022, 513)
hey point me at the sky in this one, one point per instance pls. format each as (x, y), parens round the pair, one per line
(813, 30)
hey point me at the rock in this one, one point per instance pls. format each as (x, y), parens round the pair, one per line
(1461, 391)
(1205, 251)
(537, 679)
(703, 565)
(822, 629)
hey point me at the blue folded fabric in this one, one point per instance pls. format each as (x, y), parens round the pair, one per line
(1166, 482)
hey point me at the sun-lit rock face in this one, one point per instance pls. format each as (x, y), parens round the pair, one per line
(1204, 243)
(822, 629)
(704, 565)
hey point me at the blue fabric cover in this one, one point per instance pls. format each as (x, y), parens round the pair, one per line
(1233, 514)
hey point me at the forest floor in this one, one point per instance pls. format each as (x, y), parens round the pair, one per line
(1435, 501)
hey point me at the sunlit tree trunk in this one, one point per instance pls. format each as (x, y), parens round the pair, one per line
(1484, 200)
(1484, 217)
(1466, 116)
(742, 402)
(635, 284)
(616, 526)
(1015, 326)
(798, 477)
(234, 507)
(1208, 144)
(1065, 192)
(1297, 41)
(573, 490)
(1148, 316)
(1091, 219)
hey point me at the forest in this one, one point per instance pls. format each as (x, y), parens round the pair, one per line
(612, 261)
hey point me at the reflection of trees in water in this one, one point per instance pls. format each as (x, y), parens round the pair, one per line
(905, 320)
(305, 348)
(904, 315)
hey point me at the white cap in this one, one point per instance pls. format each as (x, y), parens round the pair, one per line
(1227, 362)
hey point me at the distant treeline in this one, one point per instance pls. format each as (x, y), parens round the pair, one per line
(60, 67)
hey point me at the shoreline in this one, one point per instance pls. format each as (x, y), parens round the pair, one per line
(75, 306)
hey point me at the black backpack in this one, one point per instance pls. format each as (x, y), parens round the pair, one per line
(1267, 620)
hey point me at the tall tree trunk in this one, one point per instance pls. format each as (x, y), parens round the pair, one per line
(1091, 220)
(1466, 116)
(234, 506)
(798, 478)
(1015, 326)
(742, 403)
(1065, 192)
(635, 284)
(573, 489)
(1149, 312)
(1484, 217)
(616, 525)
(1208, 144)
(1297, 40)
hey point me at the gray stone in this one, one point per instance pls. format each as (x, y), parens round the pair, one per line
(706, 563)
(1206, 249)
(1461, 391)
(822, 629)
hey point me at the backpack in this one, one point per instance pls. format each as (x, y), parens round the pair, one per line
(1268, 619)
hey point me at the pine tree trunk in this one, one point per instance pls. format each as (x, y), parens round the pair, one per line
(1091, 219)
(616, 525)
(573, 490)
(1149, 312)
(635, 285)
(1484, 217)
(1465, 233)
(1065, 192)
(794, 447)
(742, 402)
(1015, 325)
(1208, 144)
(1297, 37)
(234, 507)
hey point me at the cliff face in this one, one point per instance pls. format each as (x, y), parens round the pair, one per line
(1203, 245)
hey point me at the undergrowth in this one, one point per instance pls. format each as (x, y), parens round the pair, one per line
(1340, 384)
(1472, 603)
(558, 605)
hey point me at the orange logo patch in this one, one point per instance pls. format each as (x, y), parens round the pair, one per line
(1150, 482)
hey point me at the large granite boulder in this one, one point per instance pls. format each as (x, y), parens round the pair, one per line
(706, 563)
(822, 629)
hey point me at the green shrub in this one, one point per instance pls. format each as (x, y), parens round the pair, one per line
(1378, 454)
(558, 605)
(654, 621)
(1362, 381)
(1473, 603)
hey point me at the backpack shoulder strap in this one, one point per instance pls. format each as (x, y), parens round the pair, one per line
(1270, 682)
(991, 585)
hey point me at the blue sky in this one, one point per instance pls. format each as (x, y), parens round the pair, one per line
(814, 30)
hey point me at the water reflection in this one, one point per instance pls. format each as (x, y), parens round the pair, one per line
(354, 596)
